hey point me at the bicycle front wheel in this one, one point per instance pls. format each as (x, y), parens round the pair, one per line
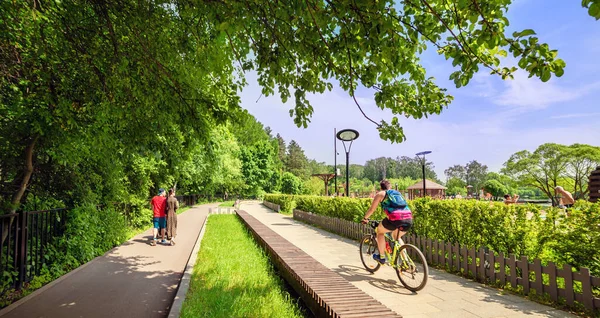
(411, 267)
(368, 246)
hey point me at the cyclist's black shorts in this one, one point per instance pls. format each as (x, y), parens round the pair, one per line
(403, 225)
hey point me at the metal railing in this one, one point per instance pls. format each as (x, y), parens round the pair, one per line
(24, 241)
(26, 237)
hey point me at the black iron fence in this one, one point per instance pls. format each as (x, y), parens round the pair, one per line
(185, 200)
(25, 239)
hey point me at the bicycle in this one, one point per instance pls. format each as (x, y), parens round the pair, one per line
(404, 258)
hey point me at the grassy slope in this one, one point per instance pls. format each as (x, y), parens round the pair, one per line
(234, 282)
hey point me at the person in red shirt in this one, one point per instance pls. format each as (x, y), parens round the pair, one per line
(159, 203)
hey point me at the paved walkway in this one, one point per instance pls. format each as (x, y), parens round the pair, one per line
(446, 295)
(132, 280)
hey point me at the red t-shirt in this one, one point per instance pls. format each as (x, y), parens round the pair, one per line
(158, 206)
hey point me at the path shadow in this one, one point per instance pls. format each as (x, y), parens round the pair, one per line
(147, 239)
(358, 274)
(110, 285)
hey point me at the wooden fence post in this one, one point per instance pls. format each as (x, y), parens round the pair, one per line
(491, 271)
(429, 252)
(525, 274)
(457, 260)
(551, 269)
(512, 263)
(465, 261)
(441, 253)
(567, 274)
(449, 256)
(473, 265)
(481, 270)
(537, 270)
(501, 261)
(586, 288)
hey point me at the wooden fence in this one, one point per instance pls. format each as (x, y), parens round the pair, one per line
(271, 206)
(559, 284)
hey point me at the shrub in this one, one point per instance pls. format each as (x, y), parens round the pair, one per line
(351, 209)
(291, 184)
(285, 201)
(511, 229)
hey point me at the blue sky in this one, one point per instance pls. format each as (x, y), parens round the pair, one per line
(489, 120)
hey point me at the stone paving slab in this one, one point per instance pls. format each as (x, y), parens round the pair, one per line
(446, 295)
(132, 280)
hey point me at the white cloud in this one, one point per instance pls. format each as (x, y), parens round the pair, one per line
(482, 85)
(534, 94)
(576, 115)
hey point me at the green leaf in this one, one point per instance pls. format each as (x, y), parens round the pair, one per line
(545, 75)
(594, 10)
(526, 32)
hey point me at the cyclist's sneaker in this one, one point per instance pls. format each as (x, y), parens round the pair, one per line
(163, 242)
(153, 242)
(379, 259)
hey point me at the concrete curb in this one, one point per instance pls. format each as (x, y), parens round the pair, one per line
(184, 284)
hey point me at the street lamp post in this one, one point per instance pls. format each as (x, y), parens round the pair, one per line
(337, 192)
(423, 153)
(347, 135)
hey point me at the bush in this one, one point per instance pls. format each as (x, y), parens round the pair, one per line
(291, 184)
(511, 229)
(350, 209)
(285, 201)
(91, 232)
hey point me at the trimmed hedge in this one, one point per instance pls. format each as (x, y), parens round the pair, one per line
(518, 229)
(350, 209)
(286, 202)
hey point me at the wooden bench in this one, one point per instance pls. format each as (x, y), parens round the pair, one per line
(326, 293)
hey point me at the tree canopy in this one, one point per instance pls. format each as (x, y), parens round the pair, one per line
(116, 97)
(552, 165)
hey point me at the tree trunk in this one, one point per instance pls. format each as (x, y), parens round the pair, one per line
(18, 195)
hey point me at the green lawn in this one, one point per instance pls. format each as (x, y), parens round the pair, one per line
(235, 282)
(227, 204)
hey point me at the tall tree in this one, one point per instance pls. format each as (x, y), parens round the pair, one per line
(583, 159)
(413, 168)
(296, 161)
(456, 186)
(282, 149)
(456, 172)
(473, 174)
(476, 174)
(541, 169)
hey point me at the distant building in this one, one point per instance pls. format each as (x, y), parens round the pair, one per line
(432, 189)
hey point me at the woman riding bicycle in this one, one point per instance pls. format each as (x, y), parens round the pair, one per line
(399, 217)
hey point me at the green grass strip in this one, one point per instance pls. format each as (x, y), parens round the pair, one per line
(233, 277)
(227, 204)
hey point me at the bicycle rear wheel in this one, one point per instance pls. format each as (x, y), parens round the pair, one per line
(368, 246)
(411, 268)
